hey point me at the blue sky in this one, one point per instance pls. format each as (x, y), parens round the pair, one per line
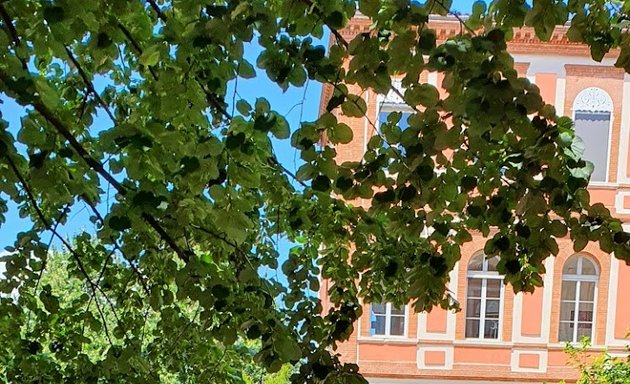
(296, 104)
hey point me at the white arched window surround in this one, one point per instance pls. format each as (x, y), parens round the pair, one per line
(484, 299)
(595, 101)
(578, 298)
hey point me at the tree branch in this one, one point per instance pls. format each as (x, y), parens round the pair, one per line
(52, 228)
(95, 165)
(89, 84)
(157, 10)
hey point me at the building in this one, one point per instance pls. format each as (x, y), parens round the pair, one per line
(499, 336)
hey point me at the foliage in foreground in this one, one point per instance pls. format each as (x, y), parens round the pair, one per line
(598, 369)
(128, 116)
(54, 329)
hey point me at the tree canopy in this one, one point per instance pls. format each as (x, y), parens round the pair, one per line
(189, 198)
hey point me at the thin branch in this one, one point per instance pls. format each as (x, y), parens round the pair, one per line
(136, 46)
(6, 19)
(157, 10)
(457, 16)
(98, 307)
(54, 231)
(8, 22)
(104, 321)
(97, 166)
(89, 84)
(45, 262)
(134, 268)
(273, 161)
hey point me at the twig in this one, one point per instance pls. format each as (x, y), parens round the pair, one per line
(97, 166)
(157, 10)
(52, 228)
(8, 22)
(89, 84)
(135, 269)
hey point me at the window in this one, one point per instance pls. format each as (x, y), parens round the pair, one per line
(402, 123)
(483, 298)
(577, 299)
(592, 112)
(387, 320)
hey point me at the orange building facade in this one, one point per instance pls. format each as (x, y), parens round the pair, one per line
(499, 336)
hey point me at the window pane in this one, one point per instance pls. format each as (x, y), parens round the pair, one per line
(568, 290)
(378, 308)
(570, 267)
(472, 328)
(402, 123)
(492, 263)
(566, 332)
(473, 308)
(378, 325)
(474, 287)
(382, 117)
(593, 128)
(587, 291)
(493, 288)
(585, 312)
(397, 326)
(588, 268)
(584, 329)
(476, 263)
(567, 310)
(398, 310)
(491, 330)
(492, 309)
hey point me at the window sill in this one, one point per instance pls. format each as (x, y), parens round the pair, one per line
(380, 339)
(577, 344)
(603, 185)
(483, 342)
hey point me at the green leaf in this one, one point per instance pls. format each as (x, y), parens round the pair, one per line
(369, 7)
(246, 70)
(243, 107)
(321, 183)
(281, 127)
(119, 223)
(150, 56)
(340, 133)
(423, 94)
(354, 106)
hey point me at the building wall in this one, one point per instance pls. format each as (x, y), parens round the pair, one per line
(435, 348)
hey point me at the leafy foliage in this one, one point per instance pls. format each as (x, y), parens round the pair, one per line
(602, 369)
(56, 327)
(198, 196)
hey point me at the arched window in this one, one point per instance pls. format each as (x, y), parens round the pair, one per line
(483, 298)
(592, 112)
(577, 298)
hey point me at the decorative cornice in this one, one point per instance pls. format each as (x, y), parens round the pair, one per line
(524, 39)
(599, 71)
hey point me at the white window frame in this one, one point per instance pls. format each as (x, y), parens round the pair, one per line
(579, 279)
(388, 322)
(594, 100)
(484, 275)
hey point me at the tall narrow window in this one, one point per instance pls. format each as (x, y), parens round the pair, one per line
(592, 112)
(387, 320)
(483, 299)
(577, 299)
